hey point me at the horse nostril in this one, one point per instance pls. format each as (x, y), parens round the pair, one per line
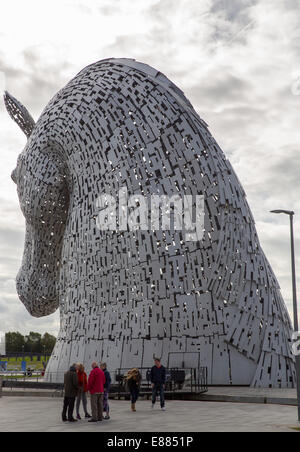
(13, 176)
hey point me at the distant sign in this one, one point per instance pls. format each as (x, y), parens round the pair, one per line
(2, 344)
(3, 366)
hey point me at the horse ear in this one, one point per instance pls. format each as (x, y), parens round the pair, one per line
(19, 114)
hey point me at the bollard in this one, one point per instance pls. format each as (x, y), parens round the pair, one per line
(1, 383)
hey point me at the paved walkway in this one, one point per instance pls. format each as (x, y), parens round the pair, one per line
(33, 414)
(252, 395)
(214, 394)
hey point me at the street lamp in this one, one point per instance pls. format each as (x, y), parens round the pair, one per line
(295, 306)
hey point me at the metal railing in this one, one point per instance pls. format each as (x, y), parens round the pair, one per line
(28, 380)
(190, 380)
(178, 380)
(28, 375)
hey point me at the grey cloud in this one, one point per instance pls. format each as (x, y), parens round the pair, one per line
(36, 81)
(291, 4)
(9, 71)
(158, 10)
(275, 239)
(11, 237)
(7, 286)
(14, 317)
(11, 250)
(223, 87)
(43, 79)
(233, 9)
(109, 8)
(125, 45)
(9, 266)
(8, 208)
(282, 177)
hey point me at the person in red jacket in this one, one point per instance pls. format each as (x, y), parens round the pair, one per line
(96, 384)
(82, 390)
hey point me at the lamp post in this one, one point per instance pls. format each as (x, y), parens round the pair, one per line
(295, 306)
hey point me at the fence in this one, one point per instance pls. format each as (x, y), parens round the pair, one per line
(177, 380)
(21, 355)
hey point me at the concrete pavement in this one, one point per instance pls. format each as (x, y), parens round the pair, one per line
(251, 395)
(33, 414)
(214, 394)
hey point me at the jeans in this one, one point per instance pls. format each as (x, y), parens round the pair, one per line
(69, 403)
(158, 389)
(135, 392)
(105, 402)
(81, 397)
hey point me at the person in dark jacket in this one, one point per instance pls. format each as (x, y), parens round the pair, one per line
(133, 381)
(71, 391)
(107, 384)
(158, 380)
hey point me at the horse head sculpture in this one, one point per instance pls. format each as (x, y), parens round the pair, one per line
(43, 195)
(130, 293)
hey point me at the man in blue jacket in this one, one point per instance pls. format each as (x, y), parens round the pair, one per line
(158, 380)
(103, 366)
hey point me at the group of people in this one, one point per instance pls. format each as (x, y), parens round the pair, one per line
(77, 385)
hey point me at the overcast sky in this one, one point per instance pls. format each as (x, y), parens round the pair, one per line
(238, 62)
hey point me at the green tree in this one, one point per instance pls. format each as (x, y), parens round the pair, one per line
(15, 342)
(33, 342)
(47, 343)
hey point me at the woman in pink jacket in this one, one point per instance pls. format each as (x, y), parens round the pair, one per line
(96, 384)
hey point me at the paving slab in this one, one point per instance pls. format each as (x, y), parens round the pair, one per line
(25, 392)
(33, 414)
(214, 394)
(251, 395)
